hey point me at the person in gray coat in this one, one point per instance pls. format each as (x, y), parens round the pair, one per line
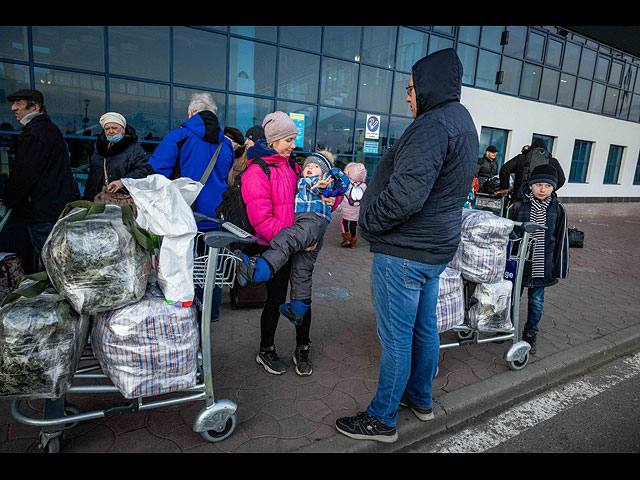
(411, 214)
(117, 155)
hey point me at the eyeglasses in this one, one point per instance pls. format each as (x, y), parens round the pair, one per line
(409, 89)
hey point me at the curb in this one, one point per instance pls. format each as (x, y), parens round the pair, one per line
(453, 409)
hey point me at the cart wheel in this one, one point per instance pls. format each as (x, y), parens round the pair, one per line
(519, 364)
(52, 446)
(464, 334)
(71, 410)
(215, 436)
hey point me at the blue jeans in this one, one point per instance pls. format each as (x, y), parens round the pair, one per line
(406, 294)
(535, 296)
(38, 233)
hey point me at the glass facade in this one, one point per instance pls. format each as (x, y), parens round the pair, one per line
(333, 75)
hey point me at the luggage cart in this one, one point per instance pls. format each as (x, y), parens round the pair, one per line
(490, 202)
(216, 421)
(517, 355)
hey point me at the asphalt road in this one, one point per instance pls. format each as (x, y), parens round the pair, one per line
(595, 413)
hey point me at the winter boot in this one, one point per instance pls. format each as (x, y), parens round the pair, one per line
(252, 270)
(530, 338)
(354, 240)
(346, 239)
(294, 311)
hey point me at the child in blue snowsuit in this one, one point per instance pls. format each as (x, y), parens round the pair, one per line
(311, 219)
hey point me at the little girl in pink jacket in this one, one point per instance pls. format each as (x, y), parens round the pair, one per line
(350, 205)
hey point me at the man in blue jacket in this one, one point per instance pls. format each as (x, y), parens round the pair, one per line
(187, 151)
(411, 215)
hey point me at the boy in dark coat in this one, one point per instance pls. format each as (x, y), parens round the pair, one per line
(537, 202)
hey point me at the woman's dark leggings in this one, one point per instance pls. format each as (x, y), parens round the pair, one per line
(277, 295)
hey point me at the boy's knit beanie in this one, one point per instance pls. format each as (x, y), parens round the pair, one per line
(319, 159)
(278, 125)
(544, 173)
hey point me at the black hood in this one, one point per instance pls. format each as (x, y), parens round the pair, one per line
(129, 138)
(437, 79)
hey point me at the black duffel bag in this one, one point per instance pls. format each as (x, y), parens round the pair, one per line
(576, 238)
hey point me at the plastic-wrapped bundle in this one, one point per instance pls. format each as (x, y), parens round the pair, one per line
(450, 306)
(482, 252)
(95, 261)
(41, 341)
(148, 348)
(492, 312)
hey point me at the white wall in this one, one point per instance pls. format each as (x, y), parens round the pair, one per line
(523, 118)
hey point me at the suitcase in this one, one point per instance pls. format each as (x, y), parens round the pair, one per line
(249, 296)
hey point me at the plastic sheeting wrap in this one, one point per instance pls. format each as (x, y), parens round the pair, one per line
(482, 253)
(96, 262)
(492, 310)
(148, 348)
(450, 305)
(41, 341)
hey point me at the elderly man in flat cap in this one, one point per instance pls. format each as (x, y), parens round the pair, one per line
(40, 181)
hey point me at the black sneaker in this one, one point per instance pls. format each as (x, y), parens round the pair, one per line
(365, 427)
(268, 358)
(530, 338)
(423, 414)
(301, 360)
(244, 270)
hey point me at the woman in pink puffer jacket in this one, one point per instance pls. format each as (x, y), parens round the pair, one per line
(270, 208)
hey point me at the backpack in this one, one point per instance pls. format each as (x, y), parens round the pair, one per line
(354, 194)
(535, 157)
(232, 207)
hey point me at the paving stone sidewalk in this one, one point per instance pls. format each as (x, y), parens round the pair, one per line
(585, 316)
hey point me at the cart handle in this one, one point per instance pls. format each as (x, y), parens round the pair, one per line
(222, 238)
(530, 227)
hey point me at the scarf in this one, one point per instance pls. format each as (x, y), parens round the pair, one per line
(538, 215)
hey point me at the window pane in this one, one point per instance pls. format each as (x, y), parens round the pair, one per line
(517, 37)
(335, 130)
(14, 42)
(614, 161)
(145, 106)
(445, 30)
(381, 143)
(399, 104)
(583, 90)
(490, 37)
(580, 161)
(199, 58)
(375, 89)
(488, 65)
(611, 101)
(307, 38)
(13, 77)
(624, 104)
(260, 32)
(379, 46)
(78, 47)
(245, 112)
(139, 52)
(181, 99)
(74, 101)
(467, 55)
(307, 143)
(496, 137)
(535, 46)
(616, 73)
(511, 77)
(342, 42)
(252, 67)
(298, 75)
(566, 89)
(636, 177)
(339, 83)
(469, 34)
(597, 97)
(530, 82)
(602, 68)
(412, 46)
(439, 43)
(571, 58)
(554, 52)
(549, 85)
(397, 126)
(587, 63)
(634, 110)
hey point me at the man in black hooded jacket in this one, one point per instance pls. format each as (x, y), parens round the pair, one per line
(411, 215)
